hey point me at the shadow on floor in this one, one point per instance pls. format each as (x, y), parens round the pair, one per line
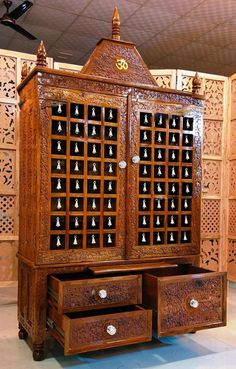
(169, 349)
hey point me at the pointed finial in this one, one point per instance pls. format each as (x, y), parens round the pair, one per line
(41, 55)
(24, 71)
(196, 84)
(116, 25)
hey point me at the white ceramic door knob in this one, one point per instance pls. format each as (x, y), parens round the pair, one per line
(111, 330)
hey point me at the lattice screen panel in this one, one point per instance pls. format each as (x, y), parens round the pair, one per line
(232, 217)
(232, 178)
(210, 218)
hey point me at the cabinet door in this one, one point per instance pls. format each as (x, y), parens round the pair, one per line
(86, 184)
(164, 177)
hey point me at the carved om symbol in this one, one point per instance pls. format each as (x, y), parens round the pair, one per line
(122, 64)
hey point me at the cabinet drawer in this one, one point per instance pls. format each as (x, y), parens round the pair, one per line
(71, 294)
(185, 299)
(82, 332)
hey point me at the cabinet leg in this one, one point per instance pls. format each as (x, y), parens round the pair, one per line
(38, 352)
(22, 334)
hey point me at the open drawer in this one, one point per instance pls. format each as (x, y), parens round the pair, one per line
(72, 292)
(90, 331)
(185, 299)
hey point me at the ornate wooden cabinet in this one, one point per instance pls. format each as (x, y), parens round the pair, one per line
(110, 183)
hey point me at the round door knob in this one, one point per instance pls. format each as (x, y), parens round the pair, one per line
(102, 294)
(135, 159)
(111, 330)
(122, 164)
(194, 303)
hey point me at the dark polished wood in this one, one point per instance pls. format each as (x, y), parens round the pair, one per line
(110, 182)
(83, 332)
(185, 299)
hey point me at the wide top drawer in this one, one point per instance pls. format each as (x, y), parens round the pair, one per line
(185, 298)
(76, 293)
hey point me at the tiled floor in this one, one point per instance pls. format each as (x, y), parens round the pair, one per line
(211, 349)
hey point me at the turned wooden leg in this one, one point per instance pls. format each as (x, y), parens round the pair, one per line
(22, 334)
(38, 352)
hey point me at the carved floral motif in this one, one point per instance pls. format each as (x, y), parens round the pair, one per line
(7, 170)
(211, 177)
(212, 141)
(7, 126)
(94, 332)
(210, 254)
(118, 292)
(8, 77)
(163, 81)
(175, 310)
(214, 95)
(232, 178)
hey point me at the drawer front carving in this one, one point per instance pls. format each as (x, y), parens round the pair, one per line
(190, 304)
(86, 294)
(88, 334)
(104, 293)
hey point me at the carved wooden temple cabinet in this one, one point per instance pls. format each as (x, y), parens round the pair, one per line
(110, 186)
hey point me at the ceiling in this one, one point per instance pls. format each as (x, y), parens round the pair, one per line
(198, 35)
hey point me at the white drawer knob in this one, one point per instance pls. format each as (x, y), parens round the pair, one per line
(102, 294)
(136, 159)
(122, 164)
(194, 303)
(111, 330)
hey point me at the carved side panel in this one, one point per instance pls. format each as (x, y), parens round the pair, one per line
(8, 265)
(233, 138)
(212, 140)
(7, 171)
(210, 254)
(214, 95)
(232, 217)
(26, 297)
(211, 177)
(163, 81)
(30, 64)
(232, 260)
(210, 217)
(187, 83)
(7, 124)
(232, 178)
(233, 99)
(8, 77)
